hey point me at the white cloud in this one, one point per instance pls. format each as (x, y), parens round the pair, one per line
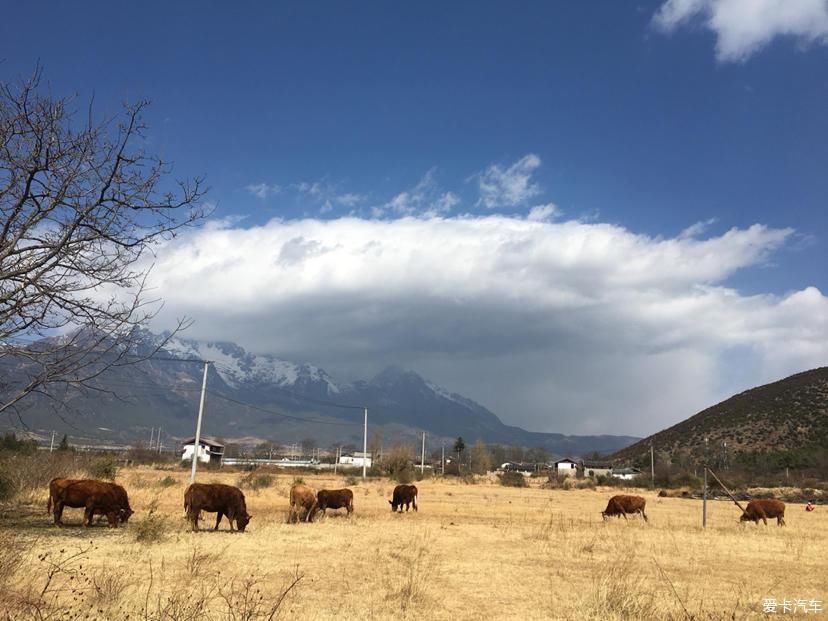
(508, 187)
(349, 199)
(557, 326)
(743, 27)
(542, 213)
(263, 190)
(696, 229)
(424, 199)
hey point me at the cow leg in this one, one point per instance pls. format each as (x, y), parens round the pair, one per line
(58, 514)
(193, 515)
(780, 521)
(414, 502)
(644, 515)
(88, 514)
(624, 513)
(218, 519)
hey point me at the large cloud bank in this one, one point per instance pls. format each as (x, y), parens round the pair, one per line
(556, 326)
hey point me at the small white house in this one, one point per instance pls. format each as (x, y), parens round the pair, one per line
(597, 469)
(626, 474)
(357, 459)
(209, 450)
(565, 467)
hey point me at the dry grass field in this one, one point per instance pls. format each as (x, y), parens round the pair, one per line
(471, 552)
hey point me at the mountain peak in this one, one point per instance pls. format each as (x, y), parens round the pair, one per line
(394, 374)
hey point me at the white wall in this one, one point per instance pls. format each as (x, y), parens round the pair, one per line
(203, 453)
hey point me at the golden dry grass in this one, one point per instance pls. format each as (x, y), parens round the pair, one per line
(471, 551)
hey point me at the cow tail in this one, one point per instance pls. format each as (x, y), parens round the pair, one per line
(49, 503)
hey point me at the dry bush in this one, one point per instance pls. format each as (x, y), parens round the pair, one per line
(414, 573)
(24, 475)
(107, 586)
(513, 479)
(14, 552)
(622, 591)
(255, 481)
(154, 527)
(167, 481)
(199, 559)
(105, 467)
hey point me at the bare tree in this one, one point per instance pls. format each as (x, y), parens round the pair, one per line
(81, 206)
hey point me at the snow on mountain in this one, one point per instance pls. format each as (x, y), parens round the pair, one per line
(238, 367)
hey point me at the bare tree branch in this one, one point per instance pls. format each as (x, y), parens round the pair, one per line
(79, 211)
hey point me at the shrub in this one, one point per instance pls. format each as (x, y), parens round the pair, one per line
(513, 479)
(154, 528)
(167, 481)
(6, 487)
(351, 480)
(404, 476)
(103, 468)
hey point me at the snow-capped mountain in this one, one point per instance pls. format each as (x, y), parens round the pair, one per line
(238, 367)
(262, 396)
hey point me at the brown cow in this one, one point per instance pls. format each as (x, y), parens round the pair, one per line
(623, 504)
(302, 497)
(763, 509)
(219, 499)
(404, 495)
(57, 484)
(335, 499)
(94, 496)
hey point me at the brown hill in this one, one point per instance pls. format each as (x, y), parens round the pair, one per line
(785, 417)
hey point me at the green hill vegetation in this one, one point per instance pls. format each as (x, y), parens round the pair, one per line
(776, 426)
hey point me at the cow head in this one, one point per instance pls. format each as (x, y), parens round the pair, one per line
(393, 505)
(242, 521)
(604, 515)
(124, 514)
(745, 518)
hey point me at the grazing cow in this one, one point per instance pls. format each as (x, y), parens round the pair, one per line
(302, 498)
(219, 499)
(335, 499)
(404, 495)
(94, 496)
(55, 485)
(622, 505)
(763, 509)
(58, 484)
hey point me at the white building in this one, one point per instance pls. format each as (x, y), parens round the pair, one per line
(209, 450)
(597, 469)
(626, 474)
(357, 459)
(565, 467)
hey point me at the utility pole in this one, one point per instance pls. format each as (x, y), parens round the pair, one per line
(704, 496)
(158, 440)
(52, 443)
(365, 445)
(197, 439)
(443, 459)
(336, 458)
(652, 467)
(422, 456)
(152, 437)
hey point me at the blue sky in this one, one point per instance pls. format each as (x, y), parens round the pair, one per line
(646, 118)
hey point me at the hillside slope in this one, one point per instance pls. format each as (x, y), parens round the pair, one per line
(788, 415)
